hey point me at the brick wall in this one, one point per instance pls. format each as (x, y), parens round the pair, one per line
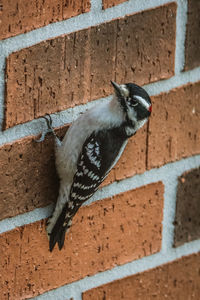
(138, 236)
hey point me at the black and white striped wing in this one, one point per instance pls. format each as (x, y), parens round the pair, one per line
(98, 155)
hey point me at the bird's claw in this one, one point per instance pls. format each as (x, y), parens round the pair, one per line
(49, 122)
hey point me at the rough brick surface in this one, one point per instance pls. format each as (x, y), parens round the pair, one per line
(17, 16)
(104, 234)
(28, 176)
(192, 43)
(151, 57)
(70, 70)
(174, 127)
(178, 280)
(187, 220)
(110, 3)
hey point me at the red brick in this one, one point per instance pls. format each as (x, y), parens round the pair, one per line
(103, 52)
(110, 3)
(192, 43)
(149, 58)
(104, 234)
(18, 17)
(187, 219)
(174, 127)
(70, 70)
(27, 175)
(178, 280)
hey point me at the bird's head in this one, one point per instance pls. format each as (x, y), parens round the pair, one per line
(134, 101)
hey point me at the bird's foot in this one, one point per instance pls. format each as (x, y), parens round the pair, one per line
(49, 122)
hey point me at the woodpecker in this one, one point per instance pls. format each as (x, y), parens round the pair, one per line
(89, 150)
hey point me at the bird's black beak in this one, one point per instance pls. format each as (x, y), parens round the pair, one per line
(116, 87)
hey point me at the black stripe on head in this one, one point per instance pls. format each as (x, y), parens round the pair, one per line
(136, 90)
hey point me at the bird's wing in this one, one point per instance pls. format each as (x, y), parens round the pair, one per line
(99, 154)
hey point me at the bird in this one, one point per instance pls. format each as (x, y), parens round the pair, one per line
(90, 149)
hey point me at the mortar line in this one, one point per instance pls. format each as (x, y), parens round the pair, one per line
(96, 6)
(164, 174)
(34, 127)
(181, 22)
(75, 289)
(169, 211)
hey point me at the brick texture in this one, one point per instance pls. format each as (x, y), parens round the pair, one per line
(187, 220)
(174, 127)
(104, 234)
(178, 280)
(28, 176)
(70, 70)
(110, 3)
(18, 17)
(192, 43)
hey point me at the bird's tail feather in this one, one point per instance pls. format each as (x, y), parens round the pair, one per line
(58, 232)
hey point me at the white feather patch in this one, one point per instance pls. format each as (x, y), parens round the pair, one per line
(143, 102)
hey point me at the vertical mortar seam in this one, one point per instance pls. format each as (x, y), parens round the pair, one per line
(169, 210)
(181, 23)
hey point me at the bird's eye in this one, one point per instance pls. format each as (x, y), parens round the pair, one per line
(132, 102)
